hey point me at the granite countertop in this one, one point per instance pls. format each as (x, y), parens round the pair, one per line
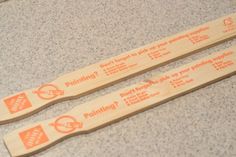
(42, 39)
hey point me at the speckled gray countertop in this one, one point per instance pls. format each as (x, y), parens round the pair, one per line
(42, 39)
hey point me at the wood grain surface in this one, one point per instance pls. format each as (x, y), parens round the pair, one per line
(120, 104)
(104, 73)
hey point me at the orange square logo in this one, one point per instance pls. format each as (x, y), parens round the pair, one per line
(17, 103)
(33, 137)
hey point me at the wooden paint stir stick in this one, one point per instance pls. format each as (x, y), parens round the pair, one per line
(122, 103)
(116, 68)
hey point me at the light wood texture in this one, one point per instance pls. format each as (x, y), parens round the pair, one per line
(116, 68)
(122, 103)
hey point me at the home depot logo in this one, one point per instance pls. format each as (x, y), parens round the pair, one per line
(33, 137)
(17, 103)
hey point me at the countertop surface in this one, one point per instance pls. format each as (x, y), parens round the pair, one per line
(43, 39)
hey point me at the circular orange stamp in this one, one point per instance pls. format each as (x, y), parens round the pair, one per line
(66, 124)
(48, 92)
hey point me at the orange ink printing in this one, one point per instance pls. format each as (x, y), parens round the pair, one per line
(33, 137)
(48, 92)
(17, 103)
(138, 94)
(193, 36)
(84, 78)
(118, 64)
(101, 110)
(229, 24)
(66, 124)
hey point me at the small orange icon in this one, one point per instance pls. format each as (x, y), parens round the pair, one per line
(33, 137)
(66, 124)
(17, 103)
(48, 92)
(228, 21)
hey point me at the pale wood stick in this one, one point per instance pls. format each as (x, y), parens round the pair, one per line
(122, 103)
(116, 68)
